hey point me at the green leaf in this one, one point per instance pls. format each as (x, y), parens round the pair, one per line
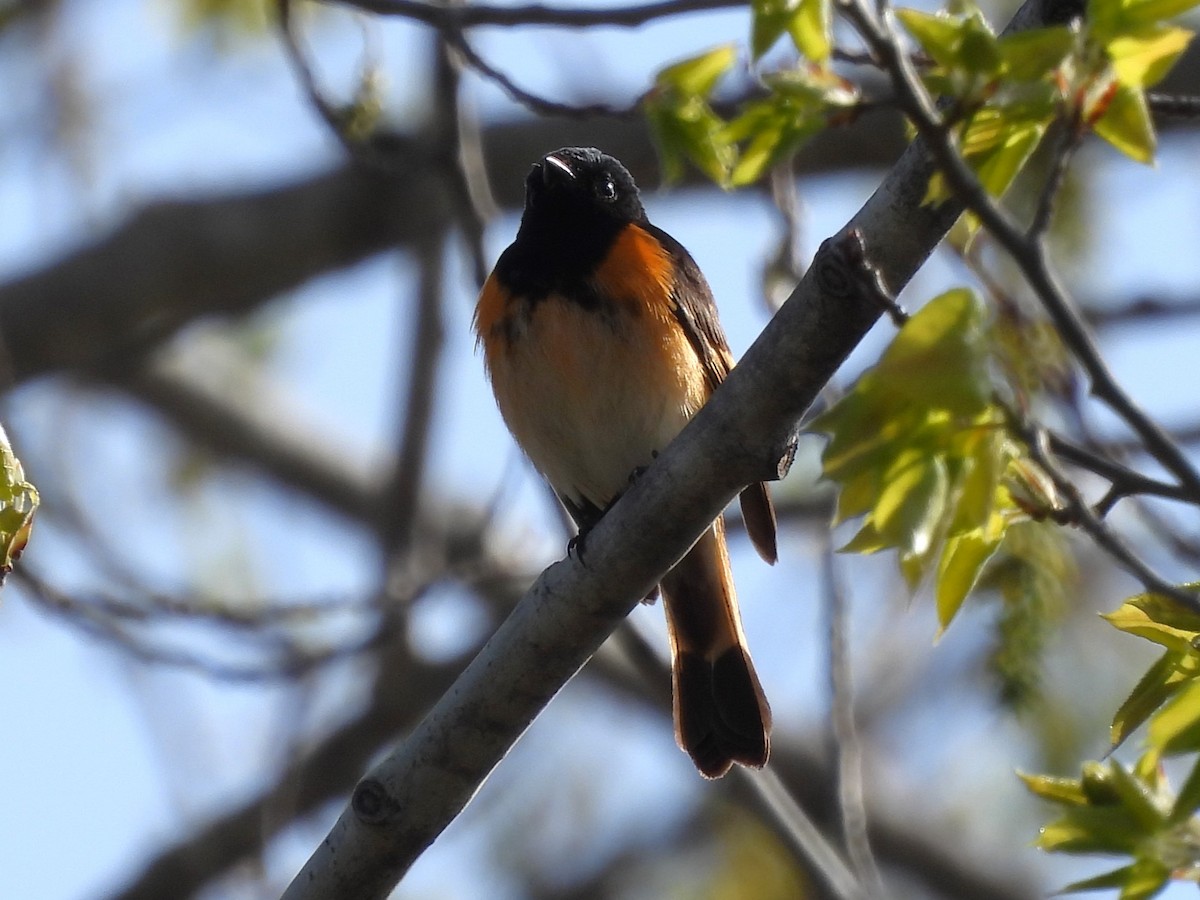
(1143, 57)
(689, 130)
(1153, 689)
(912, 502)
(939, 346)
(1090, 829)
(1055, 788)
(1126, 124)
(1032, 55)
(866, 541)
(19, 501)
(997, 169)
(769, 20)
(777, 136)
(938, 35)
(1137, 798)
(1146, 878)
(979, 52)
(1115, 879)
(979, 477)
(958, 570)
(912, 566)
(1096, 780)
(861, 431)
(698, 75)
(1176, 727)
(1188, 799)
(1105, 19)
(1158, 619)
(1142, 879)
(810, 30)
(857, 495)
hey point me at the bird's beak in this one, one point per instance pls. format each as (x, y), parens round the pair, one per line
(555, 169)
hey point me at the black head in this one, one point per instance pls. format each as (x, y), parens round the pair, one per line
(577, 200)
(580, 189)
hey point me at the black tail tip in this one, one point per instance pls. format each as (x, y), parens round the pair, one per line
(721, 714)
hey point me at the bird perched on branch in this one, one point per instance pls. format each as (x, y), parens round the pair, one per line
(601, 339)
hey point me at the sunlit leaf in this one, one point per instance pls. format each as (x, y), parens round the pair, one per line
(1153, 689)
(1137, 798)
(775, 138)
(1126, 124)
(689, 130)
(1115, 879)
(938, 36)
(1188, 799)
(1176, 727)
(1055, 788)
(698, 75)
(769, 20)
(18, 502)
(910, 506)
(1146, 878)
(979, 52)
(1141, 59)
(997, 169)
(857, 495)
(1033, 54)
(1091, 829)
(1158, 619)
(866, 541)
(958, 570)
(913, 566)
(1141, 880)
(978, 479)
(939, 346)
(810, 29)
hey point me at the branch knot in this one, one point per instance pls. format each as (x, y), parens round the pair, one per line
(372, 803)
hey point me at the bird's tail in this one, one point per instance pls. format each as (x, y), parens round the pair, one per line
(721, 714)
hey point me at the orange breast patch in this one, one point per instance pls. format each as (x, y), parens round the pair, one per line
(638, 271)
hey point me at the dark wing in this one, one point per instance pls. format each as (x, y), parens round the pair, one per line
(696, 311)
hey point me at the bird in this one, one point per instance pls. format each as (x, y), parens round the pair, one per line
(601, 340)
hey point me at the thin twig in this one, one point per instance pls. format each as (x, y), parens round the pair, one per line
(1146, 308)
(476, 205)
(1174, 106)
(785, 267)
(1076, 511)
(846, 746)
(534, 102)
(467, 16)
(1125, 481)
(806, 837)
(1069, 139)
(427, 337)
(283, 666)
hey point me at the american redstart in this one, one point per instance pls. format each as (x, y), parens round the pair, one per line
(601, 339)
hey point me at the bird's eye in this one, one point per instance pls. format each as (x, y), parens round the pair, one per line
(606, 189)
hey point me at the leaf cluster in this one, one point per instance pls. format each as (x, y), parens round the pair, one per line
(921, 450)
(793, 105)
(1000, 94)
(1135, 812)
